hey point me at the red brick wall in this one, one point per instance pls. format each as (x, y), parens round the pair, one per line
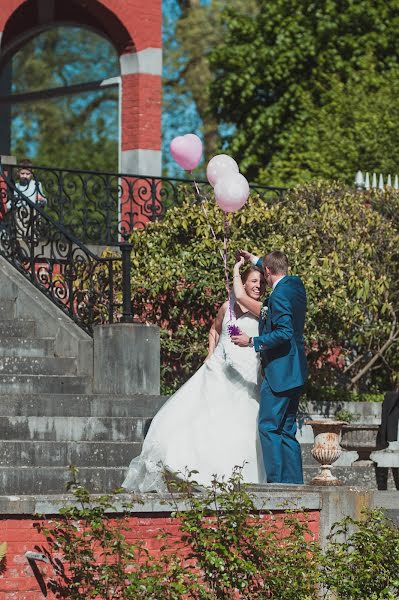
(7, 8)
(141, 112)
(18, 581)
(142, 18)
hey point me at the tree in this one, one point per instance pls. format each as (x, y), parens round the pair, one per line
(309, 88)
(190, 36)
(354, 129)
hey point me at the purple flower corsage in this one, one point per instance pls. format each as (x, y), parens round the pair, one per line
(233, 330)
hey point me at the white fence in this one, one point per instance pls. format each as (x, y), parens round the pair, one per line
(367, 182)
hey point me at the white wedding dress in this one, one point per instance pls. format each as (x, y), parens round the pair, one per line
(210, 423)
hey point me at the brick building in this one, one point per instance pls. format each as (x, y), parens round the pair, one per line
(134, 28)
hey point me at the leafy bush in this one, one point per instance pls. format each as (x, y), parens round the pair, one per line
(227, 551)
(339, 394)
(337, 240)
(344, 415)
(236, 548)
(362, 559)
(93, 558)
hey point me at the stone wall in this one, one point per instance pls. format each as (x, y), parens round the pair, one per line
(320, 506)
(22, 582)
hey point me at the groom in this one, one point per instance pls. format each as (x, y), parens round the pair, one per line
(281, 347)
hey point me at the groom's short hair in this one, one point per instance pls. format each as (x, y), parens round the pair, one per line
(277, 262)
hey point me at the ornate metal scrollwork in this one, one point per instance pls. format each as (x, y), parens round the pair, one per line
(46, 223)
(55, 261)
(102, 208)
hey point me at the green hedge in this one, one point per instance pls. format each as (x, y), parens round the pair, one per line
(337, 240)
(337, 394)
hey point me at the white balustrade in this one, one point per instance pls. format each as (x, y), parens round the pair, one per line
(377, 182)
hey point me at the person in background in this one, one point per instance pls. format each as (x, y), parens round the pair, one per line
(28, 185)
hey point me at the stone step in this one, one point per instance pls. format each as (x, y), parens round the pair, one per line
(53, 480)
(17, 328)
(36, 384)
(79, 405)
(7, 309)
(124, 429)
(55, 454)
(17, 346)
(24, 365)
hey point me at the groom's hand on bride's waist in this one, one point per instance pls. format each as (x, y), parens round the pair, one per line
(242, 340)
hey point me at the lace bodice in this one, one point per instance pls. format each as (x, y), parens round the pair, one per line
(248, 324)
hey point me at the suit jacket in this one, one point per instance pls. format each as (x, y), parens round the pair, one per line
(280, 341)
(388, 430)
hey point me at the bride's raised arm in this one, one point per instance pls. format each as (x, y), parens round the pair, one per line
(241, 295)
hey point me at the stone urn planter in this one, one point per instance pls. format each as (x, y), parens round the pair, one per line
(361, 438)
(326, 449)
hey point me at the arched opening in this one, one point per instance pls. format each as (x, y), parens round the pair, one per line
(60, 97)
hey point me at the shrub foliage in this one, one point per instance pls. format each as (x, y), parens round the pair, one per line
(227, 551)
(362, 558)
(342, 243)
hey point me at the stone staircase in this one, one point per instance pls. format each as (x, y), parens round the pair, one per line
(49, 417)
(28, 364)
(44, 433)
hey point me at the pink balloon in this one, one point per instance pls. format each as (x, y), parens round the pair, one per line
(186, 150)
(231, 192)
(220, 165)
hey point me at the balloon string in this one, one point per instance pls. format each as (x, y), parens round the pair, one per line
(207, 218)
(223, 253)
(226, 271)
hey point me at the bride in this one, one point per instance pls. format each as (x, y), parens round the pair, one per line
(210, 423)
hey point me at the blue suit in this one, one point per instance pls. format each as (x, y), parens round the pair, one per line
(281, 346)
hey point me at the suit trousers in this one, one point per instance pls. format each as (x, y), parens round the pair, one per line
(277, 428)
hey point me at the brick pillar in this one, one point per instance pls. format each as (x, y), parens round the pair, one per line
(141, 83)
(135, 29)
(141, 74)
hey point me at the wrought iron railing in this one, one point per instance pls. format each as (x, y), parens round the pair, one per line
(78, 281)
(99, 207)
